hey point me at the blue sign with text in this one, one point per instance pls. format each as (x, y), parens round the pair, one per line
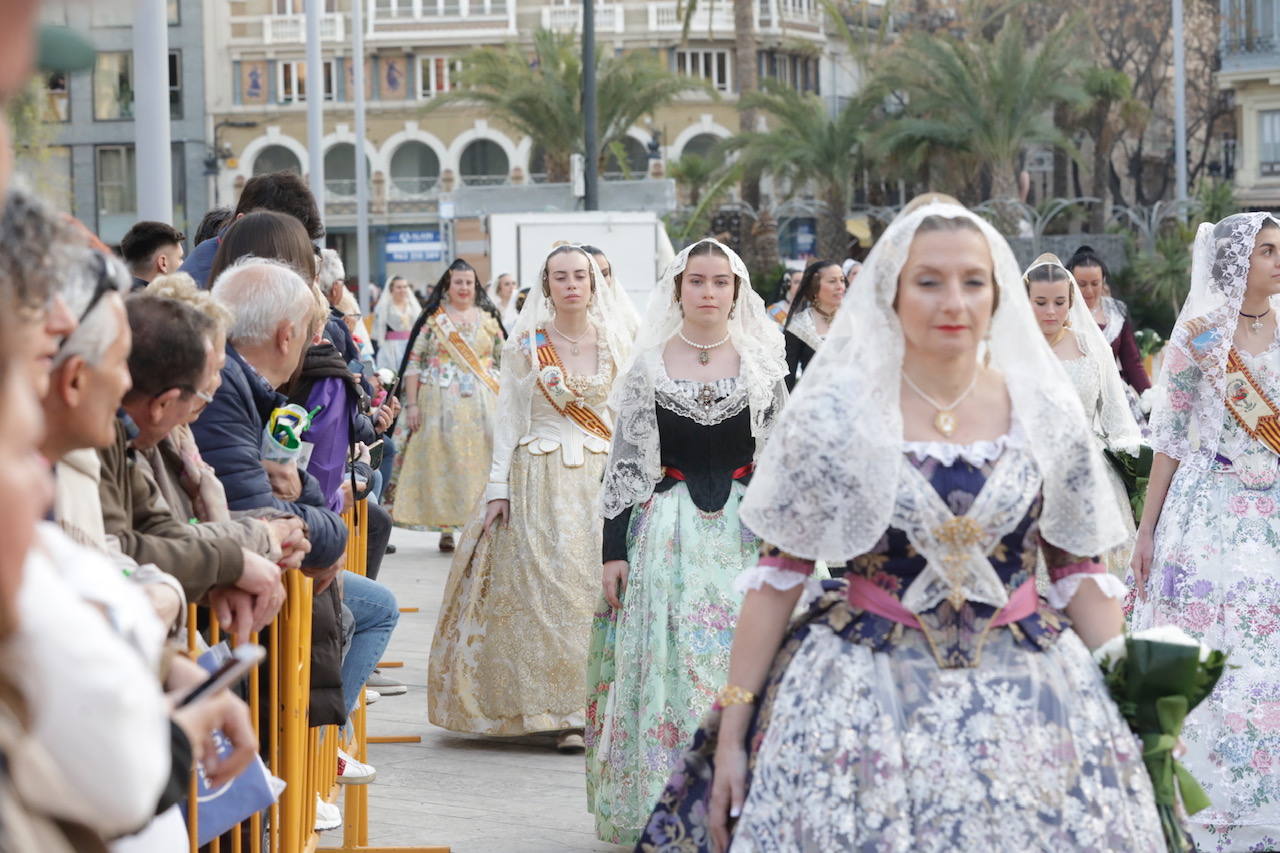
(411, 246)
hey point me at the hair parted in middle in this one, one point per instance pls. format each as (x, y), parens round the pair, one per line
(707, 249)
(564, 249)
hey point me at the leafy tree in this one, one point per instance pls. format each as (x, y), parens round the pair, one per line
(542, 98)
(805, 143)
(982, 99)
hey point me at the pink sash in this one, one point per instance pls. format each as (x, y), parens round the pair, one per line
(867, 595)
(397, 336)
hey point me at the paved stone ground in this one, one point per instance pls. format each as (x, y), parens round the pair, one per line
(477, 795)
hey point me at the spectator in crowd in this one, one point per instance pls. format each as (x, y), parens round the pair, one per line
(212, 224)
(274, 321)
(151, 249)
(272, 305)
(282, 192)
(117, 757)
(187, 484)
(169, 360)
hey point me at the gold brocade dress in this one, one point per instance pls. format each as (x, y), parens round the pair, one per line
(510, 650)
(443, 464)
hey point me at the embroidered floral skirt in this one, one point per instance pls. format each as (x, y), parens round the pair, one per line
(656, 667)
(1216, 573)
(510, 647)
(855, 749)
(442, 468)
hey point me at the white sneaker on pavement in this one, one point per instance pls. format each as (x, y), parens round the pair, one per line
(328, 816)
(385, 686)
(371, 696)
(352, 772)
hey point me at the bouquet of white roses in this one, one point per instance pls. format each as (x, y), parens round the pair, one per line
(1156, 677)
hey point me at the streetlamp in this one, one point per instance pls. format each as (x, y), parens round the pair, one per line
(217, 154)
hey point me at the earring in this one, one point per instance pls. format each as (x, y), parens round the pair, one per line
(733, 310)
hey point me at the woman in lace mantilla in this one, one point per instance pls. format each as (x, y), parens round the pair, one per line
(449, 383)
(821, 291)
(1112, 316)
(930, 700)
(693, 410)
(393, 318)
(1063, 318)
(511, 644)
(1208, 551)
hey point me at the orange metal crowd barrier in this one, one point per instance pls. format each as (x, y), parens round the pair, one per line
(305, 758)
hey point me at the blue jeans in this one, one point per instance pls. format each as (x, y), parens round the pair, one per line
(388, 462)
(375, 613)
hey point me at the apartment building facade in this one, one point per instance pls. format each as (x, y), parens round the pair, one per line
(259, 83)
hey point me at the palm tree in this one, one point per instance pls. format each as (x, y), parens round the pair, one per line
(542, 98)
(980, 99)
(1111, 110)
(805, 143)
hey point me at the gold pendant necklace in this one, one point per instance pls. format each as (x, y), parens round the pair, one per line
(945, 420)
(573, 344)
(704, 350)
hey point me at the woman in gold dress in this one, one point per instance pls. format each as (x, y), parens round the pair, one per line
(450, 387)
(510, 649)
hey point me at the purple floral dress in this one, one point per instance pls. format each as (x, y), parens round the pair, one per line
(1216, 573)
(978, 728)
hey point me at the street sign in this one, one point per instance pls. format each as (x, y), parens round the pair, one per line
(411, 246)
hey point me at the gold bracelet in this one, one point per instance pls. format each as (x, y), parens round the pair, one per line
(732, 694)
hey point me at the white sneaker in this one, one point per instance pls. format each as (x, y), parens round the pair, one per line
(327, 816)
(371, 696)
(352, 772)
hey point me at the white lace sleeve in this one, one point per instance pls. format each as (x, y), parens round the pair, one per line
(1061, 592)
(762, 575)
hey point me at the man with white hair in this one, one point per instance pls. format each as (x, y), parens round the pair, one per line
(272, 307)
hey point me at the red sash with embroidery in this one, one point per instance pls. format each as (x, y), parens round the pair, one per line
(1251, 408)
(460, 350)
(551, 380)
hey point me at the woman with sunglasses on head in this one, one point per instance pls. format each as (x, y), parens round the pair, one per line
(929, 700)
(817, 299)
(511, 643)
(694, 409)
(449, 384)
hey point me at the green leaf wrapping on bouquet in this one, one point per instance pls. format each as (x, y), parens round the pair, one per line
(1169, 778)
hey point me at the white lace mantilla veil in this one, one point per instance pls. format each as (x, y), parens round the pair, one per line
(519, 372)
(1115, 418)
(826, 486)
(1190, 429)
(385, 304)
(635, 461)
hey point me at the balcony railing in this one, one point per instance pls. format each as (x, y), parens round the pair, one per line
(407, 189)
(292, 29)
(668, 17)
(609, 18)
(767, 15)
(1250, 35)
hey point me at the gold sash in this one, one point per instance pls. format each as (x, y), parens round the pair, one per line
(460, 350)
(1252, 409)
(551, 371)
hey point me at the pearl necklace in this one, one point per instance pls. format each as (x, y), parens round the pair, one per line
(573, 343)
(704, 350)
(945, 420)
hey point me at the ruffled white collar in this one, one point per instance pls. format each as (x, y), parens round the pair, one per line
(976, 453)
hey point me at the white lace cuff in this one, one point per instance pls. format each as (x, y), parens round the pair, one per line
(1061, 592)
(759, 576)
